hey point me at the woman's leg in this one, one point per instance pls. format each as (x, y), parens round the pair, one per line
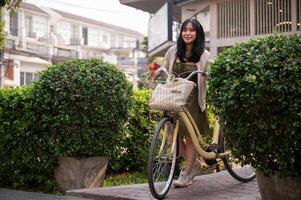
(190, 155)
(182, 148)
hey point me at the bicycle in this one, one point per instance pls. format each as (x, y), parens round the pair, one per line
(163, 151)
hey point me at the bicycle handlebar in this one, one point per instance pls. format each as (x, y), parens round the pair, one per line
(196, 72)
(163, 71)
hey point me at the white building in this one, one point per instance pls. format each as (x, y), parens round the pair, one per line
(37, 36)
(225, 22)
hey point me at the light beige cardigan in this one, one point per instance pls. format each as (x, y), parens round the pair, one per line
(202, 65)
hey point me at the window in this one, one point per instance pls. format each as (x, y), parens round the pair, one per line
(29, 27)
(120, 41)
(114, 40)
(93, 38)
(14, 24)
(175, 30)
(105, 38)
(204, 18)
(64, 29)
(273, 15)
(27, 77)
(40, 26)
(130, 42)
(298, 8)
(233, 18)
(74, 31)
(36, 26)
(85, 35)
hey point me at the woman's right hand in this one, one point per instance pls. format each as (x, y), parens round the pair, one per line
(153, 68)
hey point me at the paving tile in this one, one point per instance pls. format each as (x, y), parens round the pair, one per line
(217, 186)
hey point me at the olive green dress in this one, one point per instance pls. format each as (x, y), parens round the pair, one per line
(183, 70)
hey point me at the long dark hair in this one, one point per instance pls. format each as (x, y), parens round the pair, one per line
(198, 45)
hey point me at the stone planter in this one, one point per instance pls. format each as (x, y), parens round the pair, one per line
(273, 187)
(74, 173)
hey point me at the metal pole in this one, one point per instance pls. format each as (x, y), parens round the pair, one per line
(1, 49)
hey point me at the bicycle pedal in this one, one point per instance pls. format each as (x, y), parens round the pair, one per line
(212, 148)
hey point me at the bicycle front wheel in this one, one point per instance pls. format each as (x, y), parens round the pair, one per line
(162, 159)
(242, 173)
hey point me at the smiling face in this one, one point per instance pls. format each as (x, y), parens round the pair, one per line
(188, 33)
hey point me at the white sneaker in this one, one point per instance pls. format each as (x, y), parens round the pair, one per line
(196, 168)
(184, 180)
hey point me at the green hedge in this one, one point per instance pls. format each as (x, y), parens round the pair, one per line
(256, 88)
(138, 132)
(77, 108)
(82, 105)
(24, 156)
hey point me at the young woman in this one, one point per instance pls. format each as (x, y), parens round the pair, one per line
(187, 56)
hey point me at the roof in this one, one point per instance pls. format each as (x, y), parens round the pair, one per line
(183, 2)
(151, 6)
(32, 7)
(95, 22)
(22, 58)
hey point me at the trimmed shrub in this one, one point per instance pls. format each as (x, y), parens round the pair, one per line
(256, 88)
(138, 132)
(82, 105)
(24, 157)
(77, 108)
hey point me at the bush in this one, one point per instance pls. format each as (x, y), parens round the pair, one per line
(24, 157)
(138, 132)
(256, 88)
(82, 105)
(77, 108)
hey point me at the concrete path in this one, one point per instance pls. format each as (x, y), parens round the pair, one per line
(6, 194)
(216, 186)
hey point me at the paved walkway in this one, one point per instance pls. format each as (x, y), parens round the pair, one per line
(6, 194)
(217, 186)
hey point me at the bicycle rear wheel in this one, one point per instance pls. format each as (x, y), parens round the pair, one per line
(162, 159)
(242, 173)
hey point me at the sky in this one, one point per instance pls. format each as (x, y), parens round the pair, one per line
(108, 11)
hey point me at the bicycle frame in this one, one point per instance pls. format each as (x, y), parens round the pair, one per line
(194, 132)
(196, 136)
(164, 149)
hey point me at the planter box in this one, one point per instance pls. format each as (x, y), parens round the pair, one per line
(73, 173)
(273, 187)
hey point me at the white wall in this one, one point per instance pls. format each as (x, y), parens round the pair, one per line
(191, 9)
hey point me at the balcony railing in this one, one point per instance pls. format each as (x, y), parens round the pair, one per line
(66, 53)
(125, 61)
(10, 44)
(38, 48)
(131, 61)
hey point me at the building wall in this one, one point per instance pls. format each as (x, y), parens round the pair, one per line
(239, 20)
(233, 21)
(50, 35)
(28, 69)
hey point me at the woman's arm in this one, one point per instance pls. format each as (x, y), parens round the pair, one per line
(165, 66)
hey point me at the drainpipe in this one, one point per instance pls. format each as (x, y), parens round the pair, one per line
(170, 7)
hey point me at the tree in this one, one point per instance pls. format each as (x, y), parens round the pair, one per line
(144, 44)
